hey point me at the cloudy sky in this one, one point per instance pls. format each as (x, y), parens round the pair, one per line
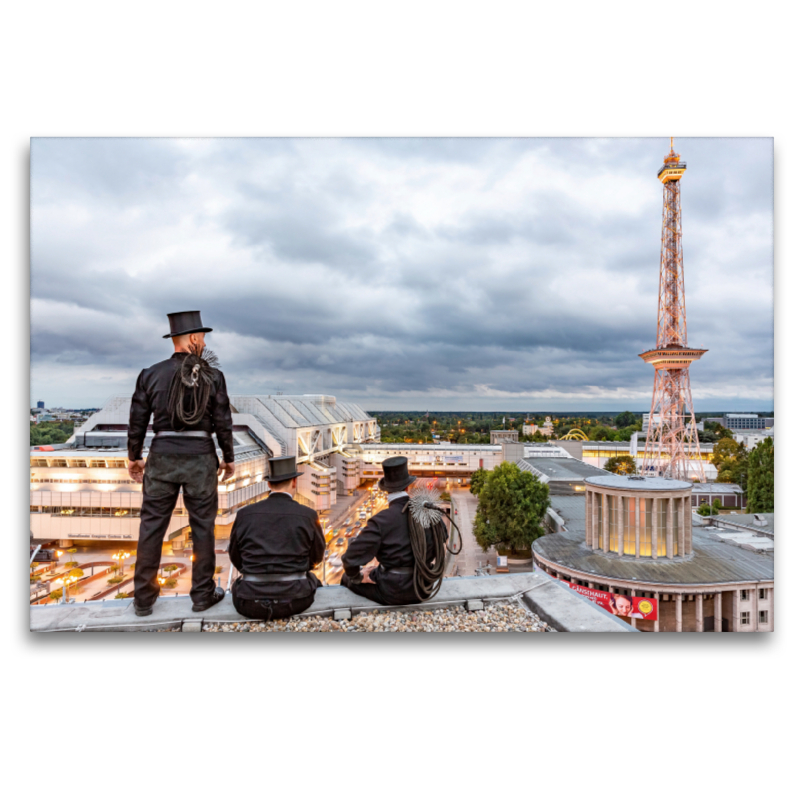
(517, 274)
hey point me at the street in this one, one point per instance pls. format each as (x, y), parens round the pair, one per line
(472, 556)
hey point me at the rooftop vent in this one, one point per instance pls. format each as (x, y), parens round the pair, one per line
(760, 520)
(635, 478)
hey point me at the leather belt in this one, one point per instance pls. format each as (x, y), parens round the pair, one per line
(274, 577)
(400, 570)
(198, 434)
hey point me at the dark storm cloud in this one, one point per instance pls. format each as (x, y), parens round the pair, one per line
(463, 272)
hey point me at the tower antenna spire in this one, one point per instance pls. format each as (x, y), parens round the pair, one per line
(672, 448)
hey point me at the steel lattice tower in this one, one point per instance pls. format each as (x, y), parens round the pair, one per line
(672, 447)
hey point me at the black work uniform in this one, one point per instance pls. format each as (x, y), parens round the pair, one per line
(273, 540)
(386, 538)
(175, 463)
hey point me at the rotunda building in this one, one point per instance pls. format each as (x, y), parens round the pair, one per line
(633, 546)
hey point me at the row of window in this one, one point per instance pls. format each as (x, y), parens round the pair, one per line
(763, 618)
(744, 594)
(106, 511)
(74, 463)
(622, 519)
(78, 480)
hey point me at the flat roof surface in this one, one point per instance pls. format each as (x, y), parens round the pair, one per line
(717, 488)
(713, 561)
(636, 483)
(367, 446)
(747, 521)
(561, 469)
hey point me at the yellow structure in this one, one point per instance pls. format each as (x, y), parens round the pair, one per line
(575, 434)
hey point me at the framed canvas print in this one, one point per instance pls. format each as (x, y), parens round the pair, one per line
(402, 385)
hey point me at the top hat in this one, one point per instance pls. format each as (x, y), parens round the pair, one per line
(183, 322)
(283, 468)
(395, 475)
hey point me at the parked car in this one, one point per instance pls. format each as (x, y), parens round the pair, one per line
(340, 541)
(335, 561)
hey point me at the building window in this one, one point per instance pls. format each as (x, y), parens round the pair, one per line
(763, 617)
(762, 594)
(744, 594)
(745, 618)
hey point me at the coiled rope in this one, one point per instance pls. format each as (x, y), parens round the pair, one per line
(429, 571)
(191, 387)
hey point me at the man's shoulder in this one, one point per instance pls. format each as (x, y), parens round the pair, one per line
(280, 504)
(159, 366)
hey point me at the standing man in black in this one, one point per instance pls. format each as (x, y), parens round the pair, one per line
(188, 400)
(274, 544)
(386, 537)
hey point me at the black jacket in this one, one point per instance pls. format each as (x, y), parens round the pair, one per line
(150, 398)
(276, 535)
(386, 538)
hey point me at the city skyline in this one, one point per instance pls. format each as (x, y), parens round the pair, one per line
(400, 274)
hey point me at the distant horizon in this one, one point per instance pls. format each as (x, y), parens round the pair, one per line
(533, 412)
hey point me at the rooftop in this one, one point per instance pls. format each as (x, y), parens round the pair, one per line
(560, 469)
(716, 488)
(714, 560)
(636, 483)
(552, 602)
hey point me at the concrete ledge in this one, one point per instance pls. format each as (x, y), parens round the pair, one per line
(567, 611)
(562, 609)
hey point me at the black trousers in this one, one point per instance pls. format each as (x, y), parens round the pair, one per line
(164, 476)
(271, 609)
(368, 590)
(402, 595)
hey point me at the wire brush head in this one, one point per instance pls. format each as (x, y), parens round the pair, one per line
(422, 494)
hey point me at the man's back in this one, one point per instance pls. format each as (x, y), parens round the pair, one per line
(276, 535)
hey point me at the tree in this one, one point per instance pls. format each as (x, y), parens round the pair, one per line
(477, 481)
(761, 478)
(716, 506)
(511, 506)
(704, 510)
(726, 448)
(626, 419)
(620, 465)
(600, 433)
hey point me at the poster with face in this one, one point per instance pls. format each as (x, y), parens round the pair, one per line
(621, 605)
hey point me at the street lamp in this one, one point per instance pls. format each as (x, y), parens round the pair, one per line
(120, 557)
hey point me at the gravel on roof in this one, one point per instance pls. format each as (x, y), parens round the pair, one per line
(501, 617)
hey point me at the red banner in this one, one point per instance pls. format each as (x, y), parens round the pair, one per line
(622, 605)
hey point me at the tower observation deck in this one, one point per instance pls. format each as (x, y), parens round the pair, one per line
(672, 449)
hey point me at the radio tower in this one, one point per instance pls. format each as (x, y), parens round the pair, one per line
(672, 449)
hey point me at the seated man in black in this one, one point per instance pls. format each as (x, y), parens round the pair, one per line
(274, 544)
(386, 537)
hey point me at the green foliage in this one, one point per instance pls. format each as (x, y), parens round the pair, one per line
(730, 459)
(704, 510)
(477, 481)
(716, 506)
(75, 573)
(621, 465)
(114, 581)
(57, 594)
(511, 505)
(171, 568)
(170, 583)
(761, 478)
(445, 497)
(626, 419)
(70, 563)
(50, 432)
(726, 448)
(121, 596)
(599, 433)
